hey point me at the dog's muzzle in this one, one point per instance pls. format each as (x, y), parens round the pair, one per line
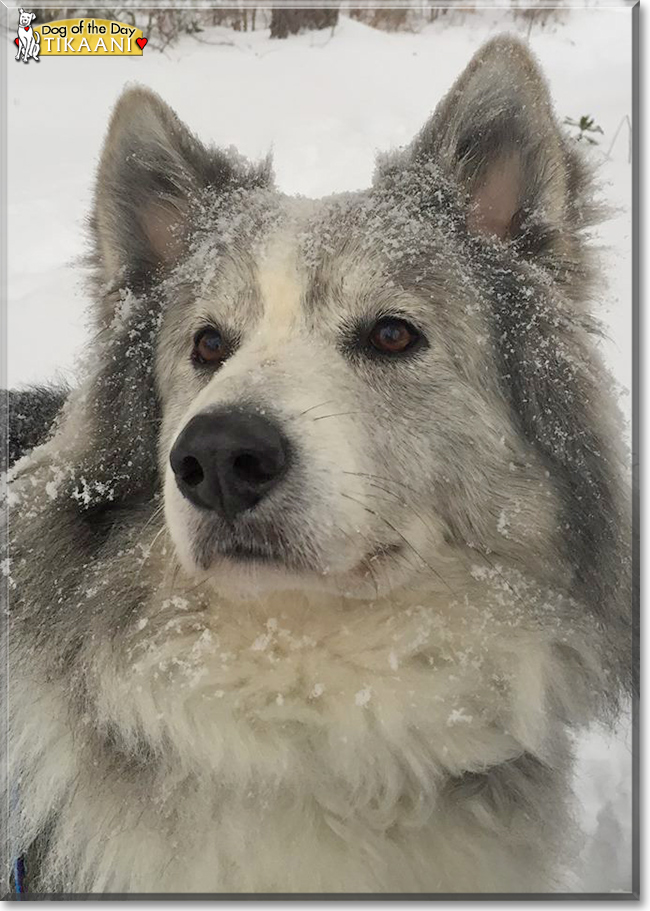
(227, 461)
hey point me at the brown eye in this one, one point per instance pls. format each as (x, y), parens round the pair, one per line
(393, 336)
(209, 347)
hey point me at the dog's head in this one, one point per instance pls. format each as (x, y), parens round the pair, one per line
(25, 18)
(345, 393)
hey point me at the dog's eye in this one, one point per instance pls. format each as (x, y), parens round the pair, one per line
(393, 336)
(209, 347)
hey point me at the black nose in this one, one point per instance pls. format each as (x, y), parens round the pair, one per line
(228, 460)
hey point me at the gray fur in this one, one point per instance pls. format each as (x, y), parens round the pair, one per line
(389, 708)
(28, 415)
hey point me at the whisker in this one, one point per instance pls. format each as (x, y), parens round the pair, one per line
(146, 556)
(187, 591)
(369, 567)
(406, 540)
(151, 518)
(377, 477)
(173, 579)
(314, 407)
(428, 527)
(338, 414)
(151, 546)
(376, 496)
(391, 493)
(157, 511)
(364, 561)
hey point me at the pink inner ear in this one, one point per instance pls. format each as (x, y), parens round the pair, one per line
(497, 198)
(163, 226)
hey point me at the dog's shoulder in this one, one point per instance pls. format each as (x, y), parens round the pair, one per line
(27, 417)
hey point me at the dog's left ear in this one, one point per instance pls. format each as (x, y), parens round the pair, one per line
(495, 134)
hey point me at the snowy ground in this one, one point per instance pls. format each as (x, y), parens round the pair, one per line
(325, 105)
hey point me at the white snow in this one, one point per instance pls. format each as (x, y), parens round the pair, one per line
(503, 524)
(459, 716)
(363, 697)
(325, 105)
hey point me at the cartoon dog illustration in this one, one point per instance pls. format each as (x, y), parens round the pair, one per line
(28, 39)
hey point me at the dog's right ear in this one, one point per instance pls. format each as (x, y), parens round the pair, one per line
(151, 171)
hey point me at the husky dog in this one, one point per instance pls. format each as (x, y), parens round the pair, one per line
(329, 556)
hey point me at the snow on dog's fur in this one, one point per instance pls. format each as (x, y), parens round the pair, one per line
(367, 681)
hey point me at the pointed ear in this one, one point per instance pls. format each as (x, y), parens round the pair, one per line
(149, 169)
(496, 135)
(152, 170)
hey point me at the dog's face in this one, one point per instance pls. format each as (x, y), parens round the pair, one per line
(338, 380)
(25, 18)
(330, 404)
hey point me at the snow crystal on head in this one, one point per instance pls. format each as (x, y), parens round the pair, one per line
(407, 213)
(229, 225)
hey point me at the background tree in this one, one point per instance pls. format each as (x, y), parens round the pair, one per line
(286, 22)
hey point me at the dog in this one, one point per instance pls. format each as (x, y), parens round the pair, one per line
(328, 558)
(28, 39)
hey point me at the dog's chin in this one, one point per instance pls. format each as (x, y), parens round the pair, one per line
(240, 563)
(245, 572)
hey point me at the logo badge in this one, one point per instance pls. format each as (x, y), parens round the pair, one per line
(77, 38)
(28, 41)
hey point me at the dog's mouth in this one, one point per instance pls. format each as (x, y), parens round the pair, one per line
(291, 561)
(251, 553)
(270, 550)
(275, 552)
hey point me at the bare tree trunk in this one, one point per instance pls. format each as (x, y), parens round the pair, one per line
(286, 22)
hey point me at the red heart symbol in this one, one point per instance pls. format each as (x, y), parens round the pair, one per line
(26, 27)
(141, 42)
(16, 41)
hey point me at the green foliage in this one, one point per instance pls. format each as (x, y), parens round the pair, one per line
(585, 125)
